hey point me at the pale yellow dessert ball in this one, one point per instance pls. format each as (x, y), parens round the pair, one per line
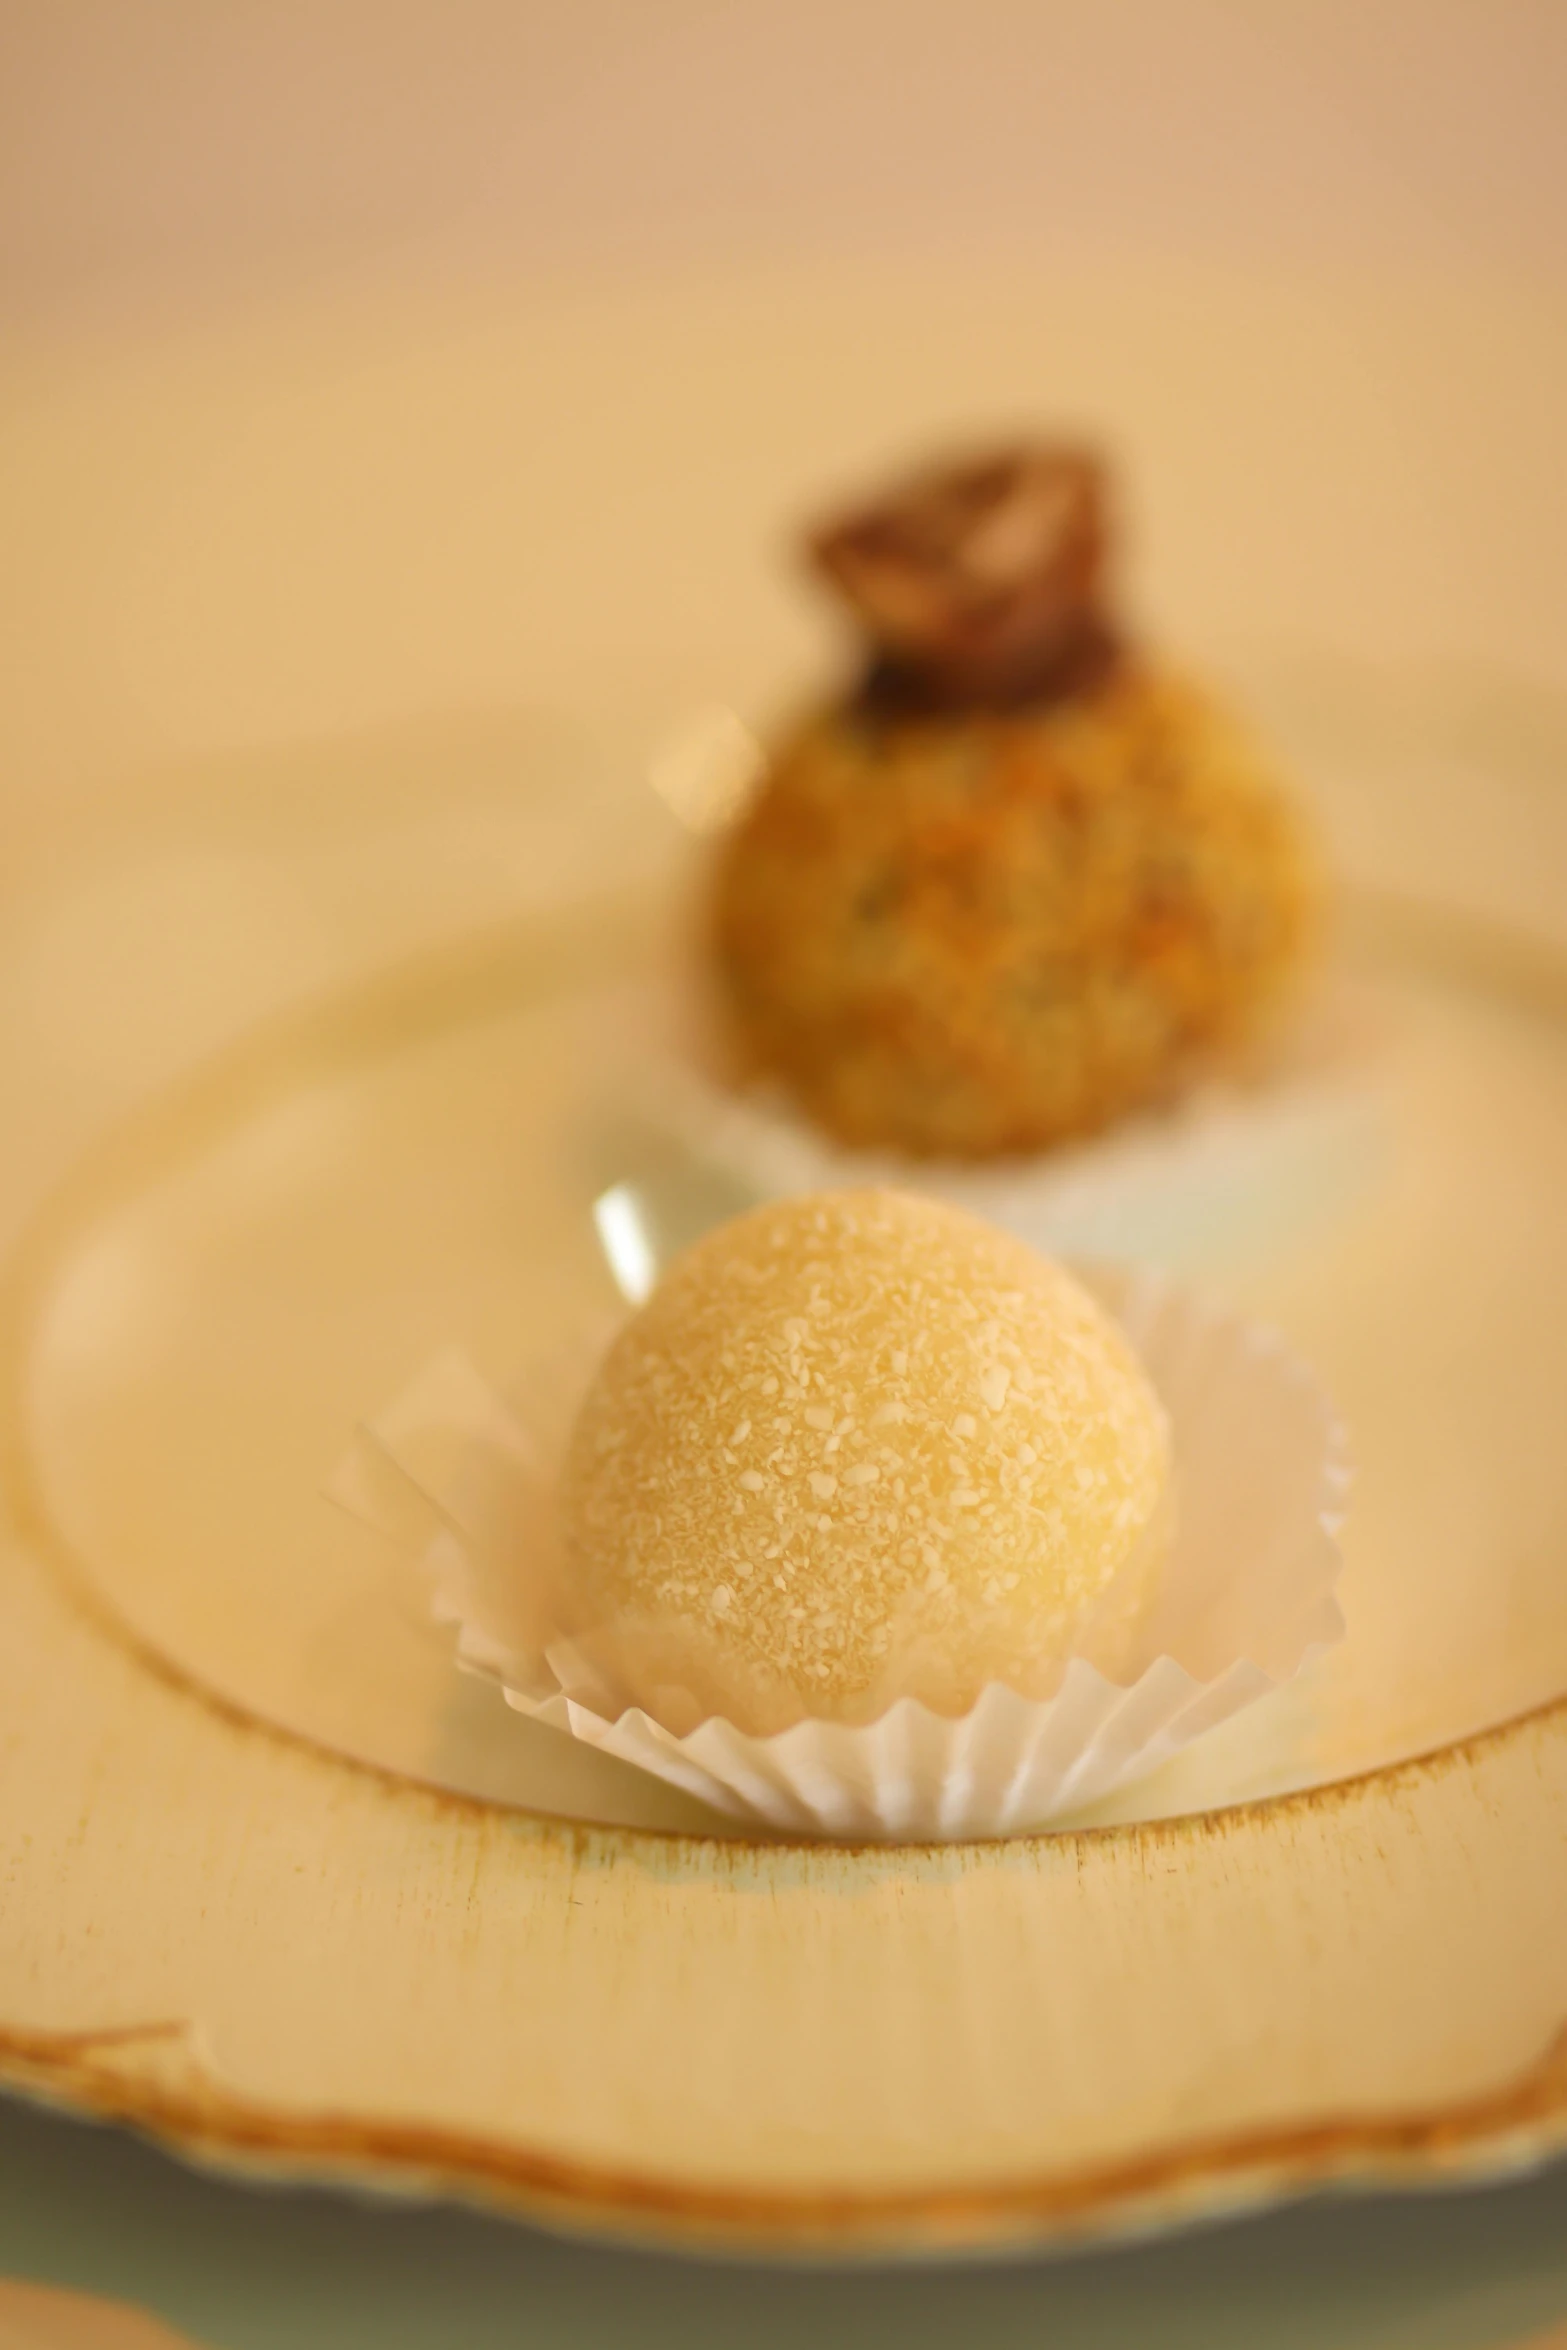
(854, 1447)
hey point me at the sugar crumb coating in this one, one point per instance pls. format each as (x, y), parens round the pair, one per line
(966, 934)
(857, 1446)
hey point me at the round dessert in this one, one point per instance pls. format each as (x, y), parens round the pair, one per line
(1019, 880)
(855, 1447)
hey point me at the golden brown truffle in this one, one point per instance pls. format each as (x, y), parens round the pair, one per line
(971, 933)
(854, 1447)
(1017, 880)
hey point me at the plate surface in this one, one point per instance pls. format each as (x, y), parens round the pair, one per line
(265, 1259)
(278, 1953)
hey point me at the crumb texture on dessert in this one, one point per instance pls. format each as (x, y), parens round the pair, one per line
(973, 933)
(854, 1447)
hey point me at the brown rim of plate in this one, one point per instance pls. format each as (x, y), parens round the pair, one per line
(1520, 2122)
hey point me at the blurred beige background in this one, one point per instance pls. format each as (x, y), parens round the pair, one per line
(179, 147)
(371, 367)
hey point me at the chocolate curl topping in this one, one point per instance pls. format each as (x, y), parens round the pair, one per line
(980, 581)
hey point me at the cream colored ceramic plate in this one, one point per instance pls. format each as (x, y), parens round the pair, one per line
(428, 1970)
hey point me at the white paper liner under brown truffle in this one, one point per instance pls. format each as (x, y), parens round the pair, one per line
(1236, 1159)
(1245, 1597)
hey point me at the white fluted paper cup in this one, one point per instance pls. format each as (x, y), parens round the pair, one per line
(1237, 1159)
(1246, 1595)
